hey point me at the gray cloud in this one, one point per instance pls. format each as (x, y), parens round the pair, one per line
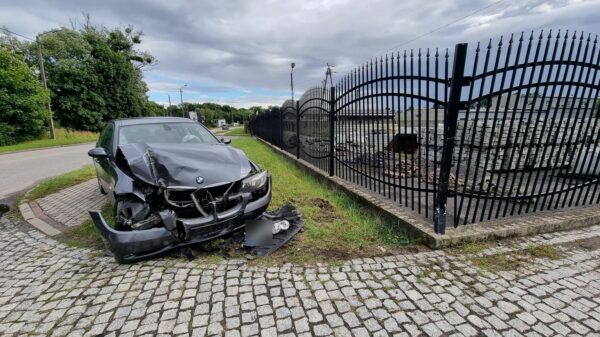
(248, 44)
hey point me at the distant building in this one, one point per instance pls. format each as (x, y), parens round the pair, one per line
(219, 122)
(577, 106)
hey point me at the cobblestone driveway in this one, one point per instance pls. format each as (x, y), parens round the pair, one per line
(49, 290)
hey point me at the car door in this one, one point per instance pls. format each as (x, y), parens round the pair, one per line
(103, 165)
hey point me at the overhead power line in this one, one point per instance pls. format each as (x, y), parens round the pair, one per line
(6, 30)
(446, 25)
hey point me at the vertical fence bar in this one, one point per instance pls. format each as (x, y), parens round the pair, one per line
(281, 128)
(331, 131)
(298, 129)
(458, 69)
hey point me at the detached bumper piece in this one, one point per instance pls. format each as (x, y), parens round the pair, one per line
(262, 240)
(136, 245)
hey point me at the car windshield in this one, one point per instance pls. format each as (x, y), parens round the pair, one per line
(165, 133)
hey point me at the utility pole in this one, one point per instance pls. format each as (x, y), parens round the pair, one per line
(328, 74)
(43, 76)
(292, 79)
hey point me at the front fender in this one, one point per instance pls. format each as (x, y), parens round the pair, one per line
(126, 185)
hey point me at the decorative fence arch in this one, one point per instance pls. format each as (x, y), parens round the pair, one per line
(459, 137)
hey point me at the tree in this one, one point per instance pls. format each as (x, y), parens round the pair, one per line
(155, 109)
(214, 111)
(23, 100)
(94, 74)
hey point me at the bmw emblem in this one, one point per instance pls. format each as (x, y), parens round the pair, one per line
(199, 180)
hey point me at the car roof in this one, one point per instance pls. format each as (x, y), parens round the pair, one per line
(150, 120)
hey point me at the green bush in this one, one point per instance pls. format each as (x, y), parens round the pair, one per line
(23, 100)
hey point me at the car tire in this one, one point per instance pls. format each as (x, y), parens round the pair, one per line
(118, 210)
(123, 209)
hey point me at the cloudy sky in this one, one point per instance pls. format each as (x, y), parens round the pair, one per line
(239, 51)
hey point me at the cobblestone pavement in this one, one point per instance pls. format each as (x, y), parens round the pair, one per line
(47, 289)
(69, 206)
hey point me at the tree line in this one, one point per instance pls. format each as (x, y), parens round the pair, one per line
(94, 74)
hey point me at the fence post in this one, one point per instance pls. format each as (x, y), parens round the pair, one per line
(298, 129)
(332, 131)
(450, 121)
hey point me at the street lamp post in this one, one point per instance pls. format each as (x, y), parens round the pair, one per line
(292, 79)
(181, 99)
(168, 110)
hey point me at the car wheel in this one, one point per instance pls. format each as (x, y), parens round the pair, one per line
(121, 214)
(128, 210)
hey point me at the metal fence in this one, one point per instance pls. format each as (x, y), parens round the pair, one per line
(464, 137)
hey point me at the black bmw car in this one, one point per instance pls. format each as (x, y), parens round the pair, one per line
(172, 184)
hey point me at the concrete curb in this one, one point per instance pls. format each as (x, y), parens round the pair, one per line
(56, 214)
(41, 225)
(530, 224)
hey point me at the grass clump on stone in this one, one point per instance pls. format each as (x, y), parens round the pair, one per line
(543, 251)
(474, 247)
(513, 260)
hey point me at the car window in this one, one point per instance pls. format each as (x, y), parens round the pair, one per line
(106, 138)
(166, 133)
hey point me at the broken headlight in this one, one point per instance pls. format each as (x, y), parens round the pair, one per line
(255, 182)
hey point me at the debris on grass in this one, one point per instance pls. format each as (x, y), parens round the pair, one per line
(543, 251)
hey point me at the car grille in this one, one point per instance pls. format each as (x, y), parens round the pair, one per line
(182, 199)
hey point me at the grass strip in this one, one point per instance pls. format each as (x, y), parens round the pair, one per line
(63, 137)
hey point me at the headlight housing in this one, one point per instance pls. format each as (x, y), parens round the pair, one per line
(255, 182)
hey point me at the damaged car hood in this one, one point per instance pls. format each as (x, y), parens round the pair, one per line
(201, 165)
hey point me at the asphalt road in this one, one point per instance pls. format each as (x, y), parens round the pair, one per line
(21, 170)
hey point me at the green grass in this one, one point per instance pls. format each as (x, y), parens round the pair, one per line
(337, 227)
(63, 137)
(236, 132)
(58, 183)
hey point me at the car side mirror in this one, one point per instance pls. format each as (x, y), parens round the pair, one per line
(225, 140)
(98, 152)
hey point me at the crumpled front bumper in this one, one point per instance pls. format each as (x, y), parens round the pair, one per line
(136, 245)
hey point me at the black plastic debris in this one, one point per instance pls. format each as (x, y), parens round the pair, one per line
(4, 209)
(260, 237)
